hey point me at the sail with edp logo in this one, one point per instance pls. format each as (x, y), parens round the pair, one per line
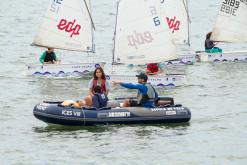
(230, 27)
(67, 25)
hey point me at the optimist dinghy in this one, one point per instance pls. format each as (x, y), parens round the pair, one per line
(67, 25)
(231, 25)
(146, 37)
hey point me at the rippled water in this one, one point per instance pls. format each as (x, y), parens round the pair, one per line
(215, 93)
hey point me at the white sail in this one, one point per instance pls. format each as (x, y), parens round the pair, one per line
(231, 23)
(175, 12)
(140, 37)
(66, 25)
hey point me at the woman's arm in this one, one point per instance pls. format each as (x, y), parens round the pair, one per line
(91, 93)
(106, 92)
(90, 86)
(107, 86)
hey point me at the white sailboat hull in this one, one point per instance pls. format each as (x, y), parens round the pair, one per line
(155, 80)
(222, 57)
(182, 60)
(63, 70)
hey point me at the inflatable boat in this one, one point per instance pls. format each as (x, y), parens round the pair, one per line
(164, 112)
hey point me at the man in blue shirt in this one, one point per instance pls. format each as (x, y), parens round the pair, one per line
(146, 96)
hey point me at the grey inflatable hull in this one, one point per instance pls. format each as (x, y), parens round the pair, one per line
(54, 113)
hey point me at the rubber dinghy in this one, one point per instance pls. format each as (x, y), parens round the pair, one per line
(165, 112)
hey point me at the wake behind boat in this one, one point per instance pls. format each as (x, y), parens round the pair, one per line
(165, 112)
(67, 25)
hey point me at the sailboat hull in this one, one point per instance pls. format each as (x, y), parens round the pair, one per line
(155, 80)
(63, 70)
(222, 57)
(182, 60)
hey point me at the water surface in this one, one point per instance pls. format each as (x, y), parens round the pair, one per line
(215, 93)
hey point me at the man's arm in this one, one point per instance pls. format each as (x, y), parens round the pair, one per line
(131, 86)
(90, 86)
(142, 88)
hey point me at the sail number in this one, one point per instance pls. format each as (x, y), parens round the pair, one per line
(230, 7)
(55, 5)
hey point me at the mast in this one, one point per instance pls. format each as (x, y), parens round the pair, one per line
(114, 38)
(188, 18)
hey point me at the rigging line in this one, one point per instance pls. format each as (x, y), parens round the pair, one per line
(89, 14)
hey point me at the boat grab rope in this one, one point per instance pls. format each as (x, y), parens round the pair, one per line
(84, 116)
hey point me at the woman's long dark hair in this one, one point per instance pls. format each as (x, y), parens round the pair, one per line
(208, 35)
(101, 70)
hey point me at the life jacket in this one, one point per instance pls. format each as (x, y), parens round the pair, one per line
(209, 44)
(102, 85)
(153, 67)
(49, 57)
(102, 99)
(151, 95)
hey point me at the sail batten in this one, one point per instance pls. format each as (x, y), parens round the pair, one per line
(141, 34)
(67, 24)
(231, 23)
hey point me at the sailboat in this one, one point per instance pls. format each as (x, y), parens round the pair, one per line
(67, 25)
(144, 37)
(230, 26)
